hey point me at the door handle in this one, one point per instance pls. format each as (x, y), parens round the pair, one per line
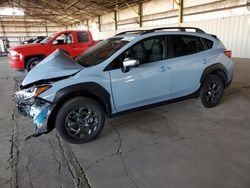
(73, 46)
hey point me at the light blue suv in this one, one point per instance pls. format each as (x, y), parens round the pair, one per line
(130, 71)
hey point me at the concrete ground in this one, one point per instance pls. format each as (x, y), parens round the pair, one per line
(177, 145)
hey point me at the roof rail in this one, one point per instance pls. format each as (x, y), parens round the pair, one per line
(179, 28)
(132, 31)
(142, 32)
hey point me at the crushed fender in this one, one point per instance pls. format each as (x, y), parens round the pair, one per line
(36, 109)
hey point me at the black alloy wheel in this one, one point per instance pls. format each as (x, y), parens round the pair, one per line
(212, 91)
(80, 120)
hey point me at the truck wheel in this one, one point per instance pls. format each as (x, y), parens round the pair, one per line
(212, 91)
(33, 62)
(80, 120)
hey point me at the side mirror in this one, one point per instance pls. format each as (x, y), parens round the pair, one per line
(127, 63)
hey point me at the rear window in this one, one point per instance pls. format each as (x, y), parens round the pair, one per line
(82, 37)
(219, 42)
(186, 45)
(208, 43)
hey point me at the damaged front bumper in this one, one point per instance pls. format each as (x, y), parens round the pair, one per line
(37, 109)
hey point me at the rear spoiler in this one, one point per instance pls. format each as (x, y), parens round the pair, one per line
(214, 36)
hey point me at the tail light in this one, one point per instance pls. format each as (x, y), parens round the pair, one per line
(228, 53)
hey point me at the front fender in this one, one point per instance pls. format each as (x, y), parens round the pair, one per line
(88, 89)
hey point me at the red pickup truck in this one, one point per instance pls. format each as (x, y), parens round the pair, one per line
(72, 42)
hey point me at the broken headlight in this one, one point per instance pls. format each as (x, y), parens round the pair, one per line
(26, 94)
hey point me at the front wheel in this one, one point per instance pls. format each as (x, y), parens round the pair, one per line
(33, 62)
(80, 120)
(212, 91)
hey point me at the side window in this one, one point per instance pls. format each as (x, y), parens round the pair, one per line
(154, 49)
(137, 52)
(209, 43)
(82, 37)
(148, 44)
(186, 45)
(65, 38)
(147, 51)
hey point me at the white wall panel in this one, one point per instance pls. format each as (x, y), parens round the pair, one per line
(127, 13)
(160, 22)
(189, 3)
(157, 6)
(128, 26)
(104, 35)
(233, 31)
(231, 25)
(107, 18)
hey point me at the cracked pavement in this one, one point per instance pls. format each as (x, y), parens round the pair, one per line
(176, 145)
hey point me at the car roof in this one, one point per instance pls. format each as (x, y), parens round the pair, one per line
(140, 34)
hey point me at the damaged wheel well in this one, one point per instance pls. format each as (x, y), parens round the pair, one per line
(102, 98)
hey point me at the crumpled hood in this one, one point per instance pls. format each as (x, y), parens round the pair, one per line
(56, 65)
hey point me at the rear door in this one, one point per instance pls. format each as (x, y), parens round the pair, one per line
(145, 84)
(187, 62)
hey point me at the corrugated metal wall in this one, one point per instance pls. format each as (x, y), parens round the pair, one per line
(234, 32)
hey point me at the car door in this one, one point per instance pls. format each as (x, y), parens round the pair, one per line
(145, 84)
(84, 41)
(188, 60)
(65, 42)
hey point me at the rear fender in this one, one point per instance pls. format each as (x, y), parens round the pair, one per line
(217, 69)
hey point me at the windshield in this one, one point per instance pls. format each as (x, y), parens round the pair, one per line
(44, 41)
(100, 52)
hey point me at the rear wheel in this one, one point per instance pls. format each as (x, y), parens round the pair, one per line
(212, 91)
(80, 120)
(33, 62)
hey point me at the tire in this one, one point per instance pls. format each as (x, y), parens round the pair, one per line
(212, 91)
(33, 62)
(80, 120)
